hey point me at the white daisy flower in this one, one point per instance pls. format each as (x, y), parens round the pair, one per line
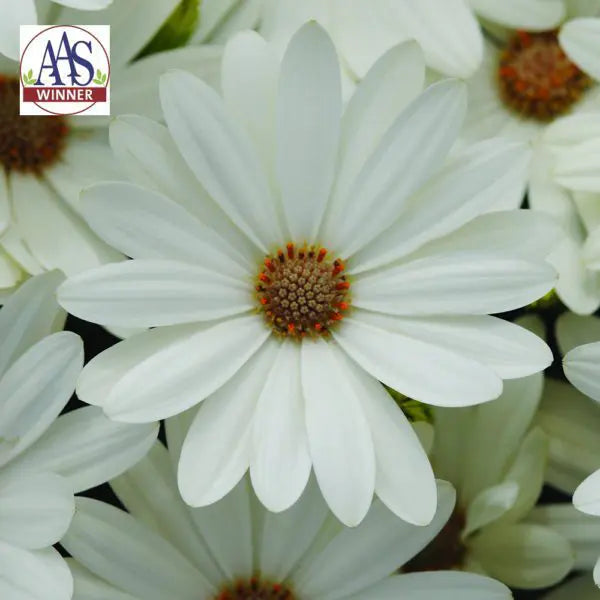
(44, 460)
(570, 419)
(496, 459)
(542, 87)
(24, 12)
(235, 550)
(581, 366)
(334, 251)
(45, 162)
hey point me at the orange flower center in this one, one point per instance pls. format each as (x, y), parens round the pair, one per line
(302, 292)
(255, 589)
(27, 144)
(536, 77)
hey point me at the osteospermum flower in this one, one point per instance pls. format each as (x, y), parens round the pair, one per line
(582, 368)
(496, 460)
(290, 256)
(44, 460)
(235, 550)
(44, 162)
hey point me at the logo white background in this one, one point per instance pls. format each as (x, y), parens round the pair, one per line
(81, 57)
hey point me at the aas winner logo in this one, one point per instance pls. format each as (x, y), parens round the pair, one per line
(65, 70)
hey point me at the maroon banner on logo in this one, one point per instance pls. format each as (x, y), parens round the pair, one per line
(64, 94)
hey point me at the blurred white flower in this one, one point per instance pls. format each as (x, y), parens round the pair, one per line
(44, 460)
(237, 550)
(495, 458)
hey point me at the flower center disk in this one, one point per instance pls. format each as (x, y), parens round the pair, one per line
(536, 77)
(27, 144)
(255, 589)
(301, 291)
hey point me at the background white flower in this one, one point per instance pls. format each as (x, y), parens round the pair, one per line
(164, 549)
(496, 460)
(24, 12)
(424, 269)
(44, 163)
(44, 460)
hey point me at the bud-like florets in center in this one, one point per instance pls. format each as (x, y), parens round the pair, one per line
(27, 144)
(255, 588)
(302, 292)
(536, 78)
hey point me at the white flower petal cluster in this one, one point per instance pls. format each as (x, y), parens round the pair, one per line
(44, 460)
(166, 549)
(262, 181)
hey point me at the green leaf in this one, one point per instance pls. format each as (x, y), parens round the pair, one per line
(104, 78)
(30, 74)
(176, 30)
(98, 73)
(98, 82)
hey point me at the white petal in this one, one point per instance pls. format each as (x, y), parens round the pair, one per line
(509, 350)
(135, 86)
(250, 72)
(413, 147)
(533, 15)
(149, 492)
(87, 448)
(83, 162)
(580, 39)
(220, 155)
(35, 508)
(287, 536)
(469, 184)
(580, 529)
(57, 237)
(338, 433)
(490, 504)
(86, 4)
(90, 587)
(149, 155)
(587, 496)
(11, 17)
(395, 80)
(447, 31)
(30, 314)
(454, 283)
(115, 547)
(485, 459)
(35, 389)
(144, 224)
(217, 449)
(582, 368)
(151, 293)
(522, 555)
(404, 479)
(450, 585)
(417, 369)
(280, 463)
(309, 110)
(527, 234)
(357, 558)
(227, 529)
(33, 575)
(198, 365)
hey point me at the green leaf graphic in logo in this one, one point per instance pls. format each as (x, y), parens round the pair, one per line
(100, 78)
(176, 30)
(28, 78)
